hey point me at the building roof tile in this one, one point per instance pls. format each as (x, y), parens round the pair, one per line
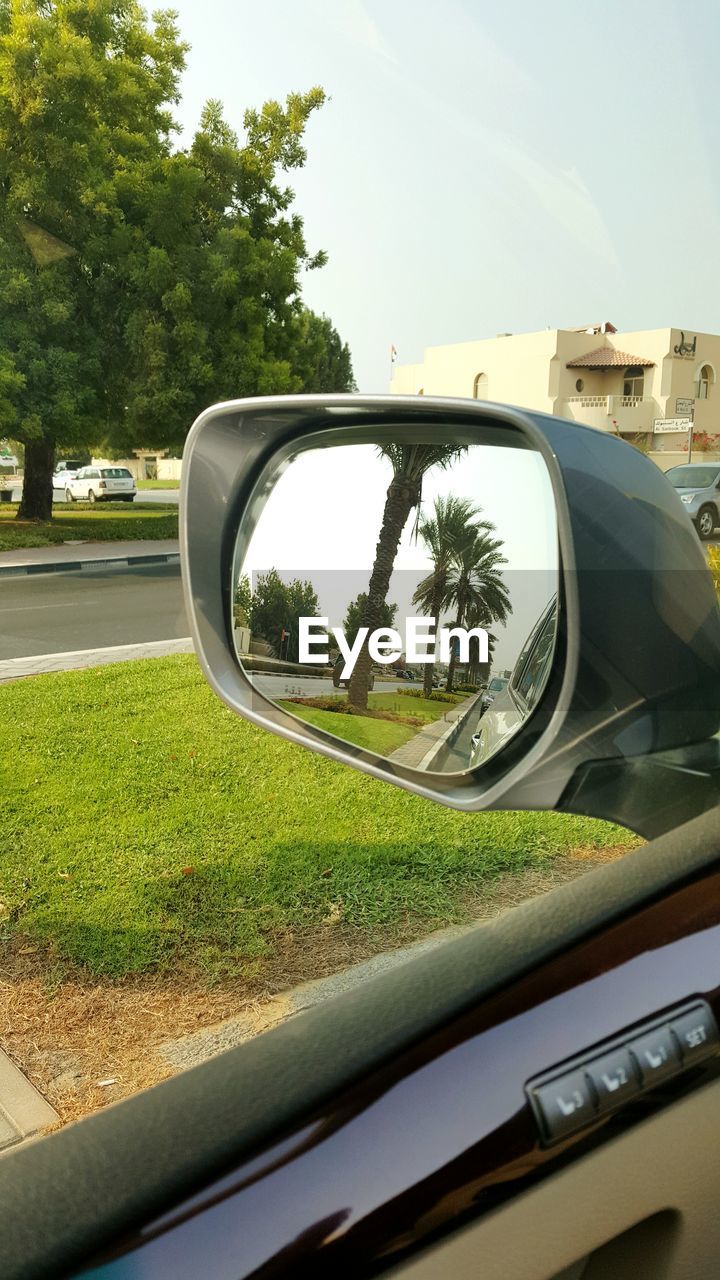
(608, 358)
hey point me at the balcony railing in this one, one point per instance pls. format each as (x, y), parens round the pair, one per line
(609, 403)
(613, 412)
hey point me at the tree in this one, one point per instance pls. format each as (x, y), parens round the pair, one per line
(139, 282)
(409, 462)
(357, 610)
(475, 587)
(275, 607)
(453, 520)
(242, 601)
(303, 603)
(84, 95)
(212, 294)
(322, 360)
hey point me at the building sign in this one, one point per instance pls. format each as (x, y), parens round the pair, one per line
(685, 347)
(684, 408)
(662, 426)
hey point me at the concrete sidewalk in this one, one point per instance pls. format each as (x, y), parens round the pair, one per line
(67, 557)
(425, 749)
(23, 1111)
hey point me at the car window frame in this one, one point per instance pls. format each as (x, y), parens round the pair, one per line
(520, 701)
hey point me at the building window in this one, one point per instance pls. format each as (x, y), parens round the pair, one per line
(634, 382)
(579, 385)
(480, 387)
(705, 379)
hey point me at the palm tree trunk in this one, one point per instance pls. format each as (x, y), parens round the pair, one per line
(451, 671)
(430, 668)
(37, 493)
(402, 496)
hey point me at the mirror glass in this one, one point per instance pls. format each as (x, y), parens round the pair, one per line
(401, 595)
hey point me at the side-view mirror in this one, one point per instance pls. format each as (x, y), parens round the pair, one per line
(368, 576)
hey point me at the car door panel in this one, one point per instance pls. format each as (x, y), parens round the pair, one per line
(643, 1207)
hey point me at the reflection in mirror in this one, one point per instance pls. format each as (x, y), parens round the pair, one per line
(402, 596)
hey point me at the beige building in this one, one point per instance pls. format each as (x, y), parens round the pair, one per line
(645, 386)
(146, 464)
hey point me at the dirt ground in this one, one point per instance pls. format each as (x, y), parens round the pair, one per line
(87, 1043)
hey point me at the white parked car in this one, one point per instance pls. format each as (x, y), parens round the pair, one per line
(66, 469)
(11, 477)
(101, 484)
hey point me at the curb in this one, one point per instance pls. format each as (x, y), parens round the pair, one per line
(23, 1111)
(81, 659)
(73, 566)
(448, 738)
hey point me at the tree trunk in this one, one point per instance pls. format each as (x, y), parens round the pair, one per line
(36, 502)
(430, 668)
(451, 671)
(402, 496)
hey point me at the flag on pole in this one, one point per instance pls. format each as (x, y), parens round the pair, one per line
(393, 353)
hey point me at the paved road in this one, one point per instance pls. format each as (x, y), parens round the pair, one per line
(158, 495)
(60, 612)
(143, 495)
(63, 612)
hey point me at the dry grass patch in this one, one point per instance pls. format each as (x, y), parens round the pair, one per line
(69, 1034)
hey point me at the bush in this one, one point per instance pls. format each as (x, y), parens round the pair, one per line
(466, 688)
(436, 696)
(336, 703)
(713, 555)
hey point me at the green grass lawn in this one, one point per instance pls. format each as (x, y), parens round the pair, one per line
(143, 825)
(382, 736)
(105, 522)
(158, 484)
(424, 708)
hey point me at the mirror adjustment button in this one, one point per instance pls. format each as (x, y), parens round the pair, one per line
(615, 1078)
(656, 1054)
(697, 1034)
(566, 1104)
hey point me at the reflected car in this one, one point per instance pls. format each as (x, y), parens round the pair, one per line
(698, 487)
(339, 683)
(521, 693)
(497, 685)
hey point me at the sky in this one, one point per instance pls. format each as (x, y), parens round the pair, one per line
(483, 168)
(321, 524)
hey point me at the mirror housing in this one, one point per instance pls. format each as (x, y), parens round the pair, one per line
(632, 705)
